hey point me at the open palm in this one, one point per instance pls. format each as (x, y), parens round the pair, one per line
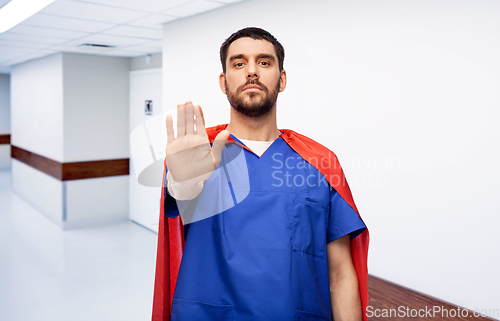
(190, 156)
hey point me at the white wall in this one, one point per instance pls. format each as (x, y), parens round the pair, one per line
(142, 62)
(95, 128)
(96, 200)
(72, 108)
(95, 107)
(37, 106)
(5, 163)
(5, 160)
(4, 104)
(42, 191)
(406, 94)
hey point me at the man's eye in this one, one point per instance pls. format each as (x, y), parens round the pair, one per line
(238, 64)
(264, 63)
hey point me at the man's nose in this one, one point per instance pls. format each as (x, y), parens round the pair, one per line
(252, 71)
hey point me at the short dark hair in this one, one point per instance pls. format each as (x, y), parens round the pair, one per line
(256, 34)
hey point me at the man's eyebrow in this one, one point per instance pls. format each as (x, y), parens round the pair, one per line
(266, 56)
(235, 57)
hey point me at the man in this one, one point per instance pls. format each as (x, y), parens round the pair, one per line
(292, 246)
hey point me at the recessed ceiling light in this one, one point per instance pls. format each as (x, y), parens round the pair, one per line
(16, 11)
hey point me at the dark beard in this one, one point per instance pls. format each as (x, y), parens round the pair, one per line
(257, 109)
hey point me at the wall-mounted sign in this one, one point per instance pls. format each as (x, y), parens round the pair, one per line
(148, 107)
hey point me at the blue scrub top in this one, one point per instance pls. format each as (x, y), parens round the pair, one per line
(261, 255)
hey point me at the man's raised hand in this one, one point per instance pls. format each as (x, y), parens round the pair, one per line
(190, 158)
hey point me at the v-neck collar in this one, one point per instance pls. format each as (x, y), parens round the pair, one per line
(239, 142)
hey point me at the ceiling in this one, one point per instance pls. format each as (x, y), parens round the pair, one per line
(132, 27)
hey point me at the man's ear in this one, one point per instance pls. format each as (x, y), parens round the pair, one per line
(222, 82)
(282, 80)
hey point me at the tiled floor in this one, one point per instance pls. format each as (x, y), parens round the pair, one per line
(91, 274)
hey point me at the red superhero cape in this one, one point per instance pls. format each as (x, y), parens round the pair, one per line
(171, 232)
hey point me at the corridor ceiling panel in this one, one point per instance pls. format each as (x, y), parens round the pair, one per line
(124, 28)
